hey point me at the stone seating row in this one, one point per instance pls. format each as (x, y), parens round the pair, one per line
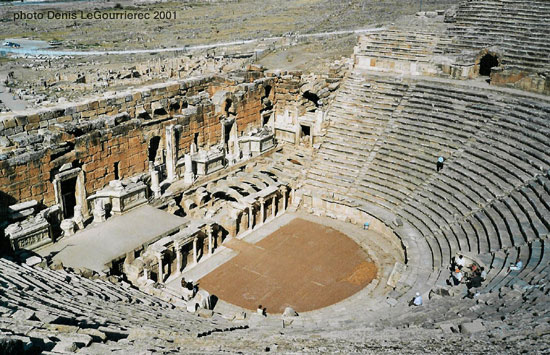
(470, 205)
(47, 299)
(358, 115)
(503, 224)
(479, 23)
(398, 45)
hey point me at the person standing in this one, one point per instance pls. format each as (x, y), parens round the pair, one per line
(439, 164)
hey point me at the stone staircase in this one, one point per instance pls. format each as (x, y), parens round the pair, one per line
(360, 112)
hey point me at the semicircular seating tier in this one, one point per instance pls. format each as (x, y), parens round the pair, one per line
(492, 197)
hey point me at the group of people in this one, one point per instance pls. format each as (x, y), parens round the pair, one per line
(473, 276)
(261, 311)
(189, 289)
(459, 273)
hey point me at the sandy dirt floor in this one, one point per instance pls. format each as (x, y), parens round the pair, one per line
(303, 265)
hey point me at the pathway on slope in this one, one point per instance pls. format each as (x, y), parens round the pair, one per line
(33, 51)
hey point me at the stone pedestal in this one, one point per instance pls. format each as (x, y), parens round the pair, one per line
(155, 185)
(209, 162)
(189, 176)
(99, 211)
(67, 226)
(29, 234)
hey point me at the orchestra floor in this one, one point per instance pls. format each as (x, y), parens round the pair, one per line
(303, 264)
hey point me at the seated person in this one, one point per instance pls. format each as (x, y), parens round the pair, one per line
(483, 273)
(188, 290)
(456, 277)
(460, 262)
(416, 301)
(475, 282)
(517, 266)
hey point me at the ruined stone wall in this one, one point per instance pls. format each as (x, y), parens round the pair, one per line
(24, 181)
(288, 94)
(130, 102)
(521, 80)
(293, 89)
(96, 134)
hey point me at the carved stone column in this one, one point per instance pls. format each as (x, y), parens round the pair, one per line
(210, 241)
(188, 176)
(262, 211)
(250, 217)
(178, 256)
(160, 276)
(273, 206)
(155, 185)
(171, 153)
(195, 250)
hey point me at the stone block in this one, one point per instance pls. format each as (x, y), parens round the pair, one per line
(65, 347)
(472, 327)
(240, 316)
(23, 314)
(33, 260)
(96, 335)
(205, 313)
(441, 291)
(391, 301)
(21, 120)
(56, 265)
(290, 312)
(447, 328)
(9, 122)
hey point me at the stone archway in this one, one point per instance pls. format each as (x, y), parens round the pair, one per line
(485, 62)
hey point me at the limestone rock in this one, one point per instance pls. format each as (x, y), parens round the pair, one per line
(240, 316)
(472, 327)
(205, 313)
(33, 260)
(56, 265)
(290, 312)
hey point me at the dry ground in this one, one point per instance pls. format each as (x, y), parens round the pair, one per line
(303, 265)
(200, 22)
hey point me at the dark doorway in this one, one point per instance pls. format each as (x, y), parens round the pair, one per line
(305, 131)
(68, 190)
(196, 139)
(227, 132)
(228, 107)
(117, 176)
(312, 97)
(153, 147)
(486, 63)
